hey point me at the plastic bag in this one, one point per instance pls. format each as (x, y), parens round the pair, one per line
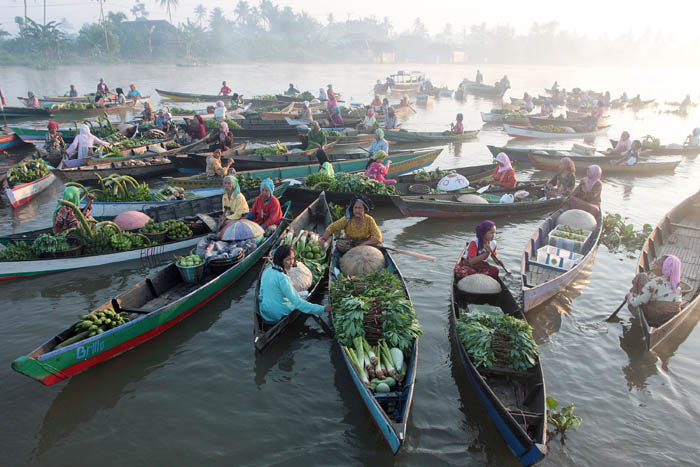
(507, 198)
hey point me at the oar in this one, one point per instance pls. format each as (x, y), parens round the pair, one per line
(500, 263)
(365, 150)
(483, 189)
(407, 253)
(614, 313)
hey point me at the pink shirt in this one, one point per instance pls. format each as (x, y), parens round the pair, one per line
(377, 172)
(458, 128)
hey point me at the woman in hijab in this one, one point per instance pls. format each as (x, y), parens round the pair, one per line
(332, 100)
(336, 118)
(325, 165)
(32, 100)
(378, 143)
(225, 141)
(316, 137)
(376, 170)
(266, 210)
(84, 142)
(369, 121)
(586, 196)
(233, 203)
(479, 249)
(277, 296)
(658, 295)
(53, 143)
(306, 113)
(623, 146)
(220, 111)
(197, 129)
(63, 216)
(504, 175)
(359, 227)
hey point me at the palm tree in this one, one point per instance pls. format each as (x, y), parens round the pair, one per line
(169, 6)
(242, 12)
(200, 12)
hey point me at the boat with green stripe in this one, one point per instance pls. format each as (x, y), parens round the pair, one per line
(153, 306)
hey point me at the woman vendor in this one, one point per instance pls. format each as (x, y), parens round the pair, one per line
(53, 143)
(325, 165)
(586, 196)
(478, 251)
(83, 142)
(503, 175)
(64, 216)
(376, 170)
(306, 113)
(332, 99)
(225, 141)
(623, 146)
(369, 121)
(266, 209)
(147, 112)
(336, 119)
(378, 143)
(458, 128)
(317, 138)
(32, 100)
(658, 294)
(359, 227)
(197, 129)
(233, 203)
(214, 167)
(391, 121)
(220, 110)
(564, 182)
(277, 296)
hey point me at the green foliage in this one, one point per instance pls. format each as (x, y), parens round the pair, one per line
(27, 171)
(617, 235)
(649, 142)
(212, 124)
(47, 243)
(337, 211)
(562, 419)
(348, 183)
(18, 251)
(432, 175)
(274, 150)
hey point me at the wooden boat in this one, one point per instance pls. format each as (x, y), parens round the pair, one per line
(666, 150)
(521, 154)
(578, 124)
(406, 83)
(154, 305)
(88, 173)
(315, 218)
(405, 185)
(9, 140)
(517, 131)
(265, 129)
(405, 136)
(189, 97)
(86, 99)
(487, 90)
(57, 111)
(198, 160)
(24, 193)
(514, 400)
(25, 112)
(389, 411)
(38, 135)
(401, 163)
(490, 117)
(540, 282)
(551, 163)
(676, 234)
(447, 205)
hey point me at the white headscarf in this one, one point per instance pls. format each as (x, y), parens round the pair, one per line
(503, 158)
(84, 141)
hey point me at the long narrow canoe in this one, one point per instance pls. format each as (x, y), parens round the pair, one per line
(518, 131)
(543, 162)
(447, 205)
(521, 154)
(540, 282)
(9, 141)
(153, 166)
(265, 129)
(514, 400)
(25, 192)
(38, 135)
(667, 150)
(188, 96)
(196, 161)
(405, 136)
(57, 111)
(154, 305)
(677, 234)
(315, 218)
(480, 89)
(575, 123)
(24, 269)
(401, 164)
(25, 112)
(392, 424)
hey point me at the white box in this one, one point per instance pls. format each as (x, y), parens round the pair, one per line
(575, 245)
(557, 257)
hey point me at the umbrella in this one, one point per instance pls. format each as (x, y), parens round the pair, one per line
(240, 230)
(129, 220)
(453, 182)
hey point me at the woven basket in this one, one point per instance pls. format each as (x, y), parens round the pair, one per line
(419, 188)
(220, 265)
(174, 239)
(657, 313)
(191, 274)
(158, 237)
(75, 250)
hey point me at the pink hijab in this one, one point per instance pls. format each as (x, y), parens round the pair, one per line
(592, 176)
(672, 270)
(503, 158)
(223, 130)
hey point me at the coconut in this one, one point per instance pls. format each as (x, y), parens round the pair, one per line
(129, 220)
(479, 284)
(301, 277)
(361, 259)
(472, 199)
(577, 219)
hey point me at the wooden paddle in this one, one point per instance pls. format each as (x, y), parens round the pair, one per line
(326, 328)
(614, 313)
(500, 263)
(405, 252)
(483, 189)
(208, 221)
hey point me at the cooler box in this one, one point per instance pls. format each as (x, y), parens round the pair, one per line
(557, 257)
(574, 244)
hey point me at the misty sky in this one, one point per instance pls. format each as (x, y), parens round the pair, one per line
(593, 18)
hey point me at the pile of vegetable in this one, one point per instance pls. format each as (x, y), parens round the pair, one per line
(172, 145)
(428, 175)
(178, 229)
(44, 243)
(309, 249)
(549, 128)
(188, 261)
(500, 111)
(96, 323)
(213, 124)
(497, 340)
(348, 183)
(568, 236)
(515, 115)
(152, 227)
(18, 251)
(649, 142)
(274, 150)
(47, 243)
(334, 133)
(373, 309)
(74, 106)
(181, 111)
(27, 171)
(246, 183)
(267, 97)
(307, 96)
(617, 235)
(337, 211)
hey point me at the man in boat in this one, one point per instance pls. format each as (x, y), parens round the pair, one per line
(391, 121)
(479, 77)
(586, 196)
(214, 168)
(359, 227)
(291, 91)
(504, 83)
(658, 294)
(72, 92)
(162, 121)
(479, 249)
(636, 100)
(266, 210)
(693, 139)
(277, 296)
(632, 156)
(378, 143)
(133, 93)
(316, 137)
(225, 90)
(102, 87)
(53, 142)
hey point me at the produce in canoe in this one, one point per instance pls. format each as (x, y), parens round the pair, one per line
(453, 182)
(242, 229)
(360, 260)
(301, 277)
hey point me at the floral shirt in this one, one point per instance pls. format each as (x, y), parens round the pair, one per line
(54, 143)
(658, 289)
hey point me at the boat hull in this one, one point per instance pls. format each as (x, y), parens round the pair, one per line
(417, 207)
(87, 173)
(582, 163)
(9, 141)
(22, 194)
(404, 136)
(527, 133)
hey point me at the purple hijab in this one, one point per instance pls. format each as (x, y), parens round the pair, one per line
(672, 270)
(481, 230)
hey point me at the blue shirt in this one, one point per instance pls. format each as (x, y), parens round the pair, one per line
(380, 145)
(278, 297)
(133, 94)
(160, 121)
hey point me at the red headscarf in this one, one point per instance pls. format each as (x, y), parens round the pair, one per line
(53, 125)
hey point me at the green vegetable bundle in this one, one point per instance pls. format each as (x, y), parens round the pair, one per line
(348, 183)
(212, 124)
(18, 251)
(27, 171)
(274, 150)
(307, 96)
(497, 340)
(549, 128)
(117, 188)
(178, 229)
(96, 323)
(309, 249)
(433, 175)
(47, 243)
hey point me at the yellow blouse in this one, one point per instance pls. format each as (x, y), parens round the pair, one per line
(234, 207)
(214, 167)
(362, 233)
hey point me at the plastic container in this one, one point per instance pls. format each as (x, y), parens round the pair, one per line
(583, 149)
(575, 245)
(559, 258)
(191, 274)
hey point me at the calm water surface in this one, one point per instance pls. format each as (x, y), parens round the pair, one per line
(199, 393)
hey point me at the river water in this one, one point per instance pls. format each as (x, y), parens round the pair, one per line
(199, 394)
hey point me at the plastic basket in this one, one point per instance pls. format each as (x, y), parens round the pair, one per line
(191, 274)
(567, 243)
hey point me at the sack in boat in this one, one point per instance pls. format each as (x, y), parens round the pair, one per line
(657, 313)
(577, 219)
(344, 244)
(480, 284)
(362, 259)
(300, 276)
(472, 199)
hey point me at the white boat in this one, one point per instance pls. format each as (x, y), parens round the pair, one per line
(488, 117)
(541, 281)
(518, 131)
(22, 194)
